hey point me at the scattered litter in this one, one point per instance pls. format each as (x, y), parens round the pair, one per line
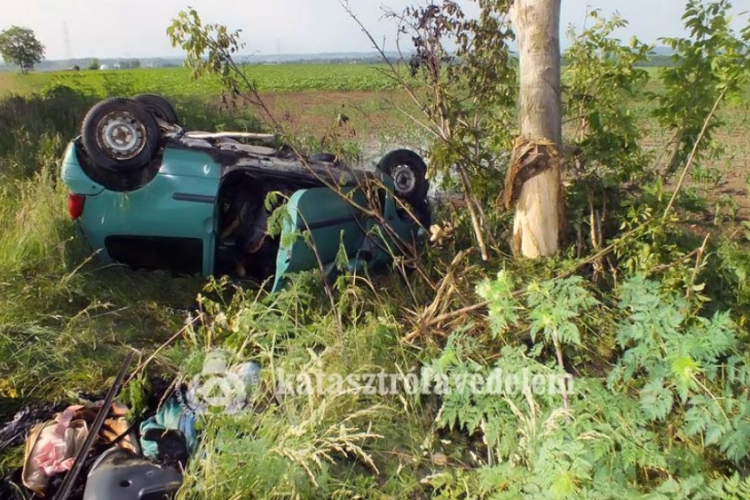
(121, 475)
(14, 431)
(92, 452)
(52, 447)
(169, 437)
(81, 456)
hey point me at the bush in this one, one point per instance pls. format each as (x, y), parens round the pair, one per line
(36, 129)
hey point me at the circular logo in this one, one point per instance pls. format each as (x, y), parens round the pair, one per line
(216, 389)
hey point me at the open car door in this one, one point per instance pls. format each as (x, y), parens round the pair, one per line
(320, 222)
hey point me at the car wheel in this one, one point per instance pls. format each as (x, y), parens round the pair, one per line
(409, 173)
(159, 107)
(120, 135)
(423, 214)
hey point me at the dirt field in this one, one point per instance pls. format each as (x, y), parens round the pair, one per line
(376, 120)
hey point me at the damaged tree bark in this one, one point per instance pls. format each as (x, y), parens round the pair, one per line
(533, 182)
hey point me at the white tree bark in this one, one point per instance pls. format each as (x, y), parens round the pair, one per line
(536, 229)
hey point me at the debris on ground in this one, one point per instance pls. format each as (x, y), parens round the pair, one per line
(126, 460)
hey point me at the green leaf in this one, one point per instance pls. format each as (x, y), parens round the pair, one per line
(736, 444)
(684, 369)
(656, 400)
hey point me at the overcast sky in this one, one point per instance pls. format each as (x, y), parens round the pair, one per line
(136, 28)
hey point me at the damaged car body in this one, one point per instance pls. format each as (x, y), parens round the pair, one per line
(148, 194)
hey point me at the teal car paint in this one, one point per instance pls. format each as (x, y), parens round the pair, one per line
(177, 203)
(173, 214)
(321, 222)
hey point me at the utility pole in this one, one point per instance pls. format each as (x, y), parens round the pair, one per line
(66, 41)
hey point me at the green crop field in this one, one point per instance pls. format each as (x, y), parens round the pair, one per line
(617, 367)
(178, 81)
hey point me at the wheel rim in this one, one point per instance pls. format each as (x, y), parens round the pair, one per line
(404, 179)
(121, 135)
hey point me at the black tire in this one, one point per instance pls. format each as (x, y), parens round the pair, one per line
(409, 173)
(159, 107)
(423, 214)
(120, 135)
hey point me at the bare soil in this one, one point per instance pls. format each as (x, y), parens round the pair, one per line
(361, 114)
(378, 119)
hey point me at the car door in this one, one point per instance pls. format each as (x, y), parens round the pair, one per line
(319, 223)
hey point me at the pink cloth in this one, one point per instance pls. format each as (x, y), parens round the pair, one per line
(53, 453)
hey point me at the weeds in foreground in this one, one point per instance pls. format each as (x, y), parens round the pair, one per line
(643, 333)
(64, 320)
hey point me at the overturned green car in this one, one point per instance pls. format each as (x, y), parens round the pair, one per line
(148, 194)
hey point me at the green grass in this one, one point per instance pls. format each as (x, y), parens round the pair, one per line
(177, 81)
(66, 322)
(64, 319)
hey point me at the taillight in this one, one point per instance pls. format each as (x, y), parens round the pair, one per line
(76, 202)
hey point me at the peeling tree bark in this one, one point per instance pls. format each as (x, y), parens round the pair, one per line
(536, 229)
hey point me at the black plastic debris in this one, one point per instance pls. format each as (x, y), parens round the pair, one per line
(120, 475)
(14, 432)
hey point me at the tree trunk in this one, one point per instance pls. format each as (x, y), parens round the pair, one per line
(536, 230)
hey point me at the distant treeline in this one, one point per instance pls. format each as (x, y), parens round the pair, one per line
(366, 60)
(656, 60)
